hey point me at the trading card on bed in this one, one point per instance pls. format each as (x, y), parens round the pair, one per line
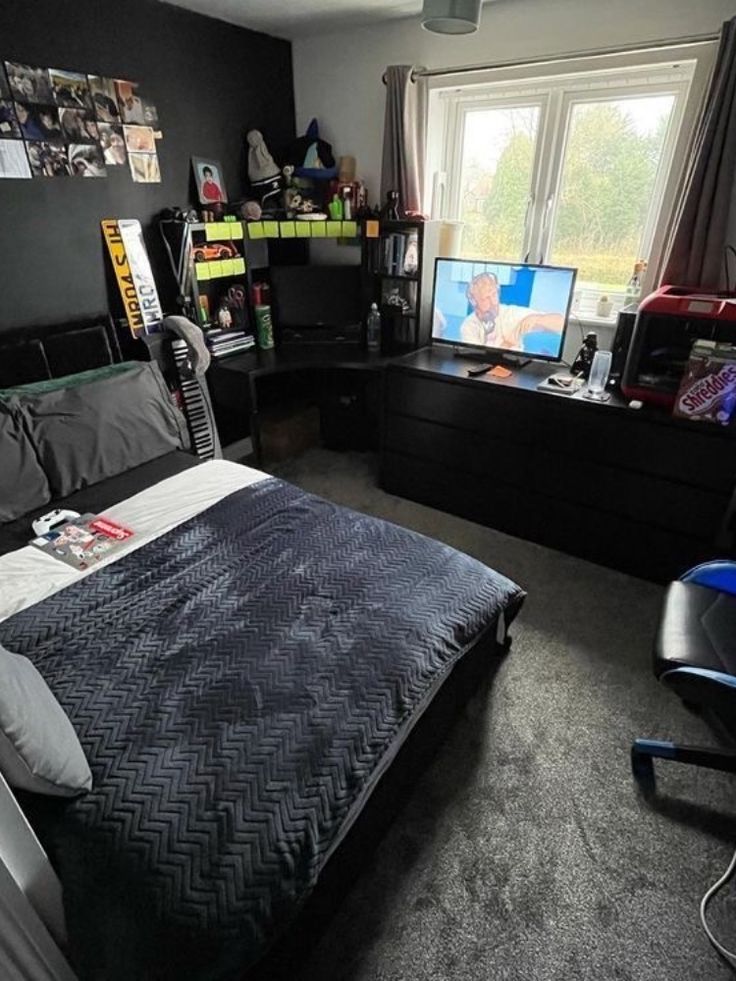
(83, 541)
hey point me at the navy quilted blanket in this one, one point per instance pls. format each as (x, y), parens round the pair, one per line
(236, 685)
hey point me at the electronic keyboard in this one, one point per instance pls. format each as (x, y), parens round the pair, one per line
(197, 405)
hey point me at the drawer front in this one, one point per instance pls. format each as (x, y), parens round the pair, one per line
(480, 499)
(608, 539)
(623, 439)
(646, 499)
(478, 408)
(469, 453)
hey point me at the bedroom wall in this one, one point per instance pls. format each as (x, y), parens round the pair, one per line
(337, 77)
(210, 81)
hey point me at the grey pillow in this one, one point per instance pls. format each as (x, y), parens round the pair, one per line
(39, 749)
(23, 484)
(87, 432)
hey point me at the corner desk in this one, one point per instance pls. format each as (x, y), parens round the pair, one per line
(343, 378)
(636, 490)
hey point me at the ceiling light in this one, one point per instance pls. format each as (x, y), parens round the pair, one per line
(451, 16)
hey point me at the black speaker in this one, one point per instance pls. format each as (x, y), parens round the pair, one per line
(622, 340)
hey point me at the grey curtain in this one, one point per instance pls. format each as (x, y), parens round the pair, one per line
(404, 137)
(700, 229)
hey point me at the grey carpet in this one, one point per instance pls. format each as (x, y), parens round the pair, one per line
(525, 853)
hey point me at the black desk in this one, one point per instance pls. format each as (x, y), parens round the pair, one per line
(633, 489)
(234, 381)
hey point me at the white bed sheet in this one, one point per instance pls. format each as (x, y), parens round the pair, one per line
(28, 575)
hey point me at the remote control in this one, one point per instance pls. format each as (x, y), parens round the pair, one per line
(481, 370)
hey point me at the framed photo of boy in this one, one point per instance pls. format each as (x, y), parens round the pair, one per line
(210, 185)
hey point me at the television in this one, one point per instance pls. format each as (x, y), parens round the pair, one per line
(317, 296)
(503, 308)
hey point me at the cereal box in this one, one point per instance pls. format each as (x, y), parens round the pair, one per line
(708, 388)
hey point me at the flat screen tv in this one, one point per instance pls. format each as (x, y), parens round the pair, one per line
(504, 308)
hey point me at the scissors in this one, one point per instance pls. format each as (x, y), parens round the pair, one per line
(236, 297)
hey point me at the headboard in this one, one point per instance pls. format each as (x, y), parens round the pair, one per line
(32, 354)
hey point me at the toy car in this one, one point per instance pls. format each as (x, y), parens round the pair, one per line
(214, 250)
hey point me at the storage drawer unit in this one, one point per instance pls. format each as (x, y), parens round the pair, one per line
(646, 494)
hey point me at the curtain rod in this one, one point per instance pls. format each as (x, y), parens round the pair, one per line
(678, 42)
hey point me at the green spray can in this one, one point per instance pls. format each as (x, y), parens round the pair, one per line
(264, 326)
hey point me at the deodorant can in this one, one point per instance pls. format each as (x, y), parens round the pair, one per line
(264, 325)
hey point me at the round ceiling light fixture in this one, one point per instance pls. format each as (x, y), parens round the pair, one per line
(451, 16)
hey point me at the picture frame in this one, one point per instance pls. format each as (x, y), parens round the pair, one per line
(209, 180)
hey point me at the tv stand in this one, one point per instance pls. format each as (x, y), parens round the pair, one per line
(633, 489)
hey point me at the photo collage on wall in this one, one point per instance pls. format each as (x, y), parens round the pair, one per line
(56, 123)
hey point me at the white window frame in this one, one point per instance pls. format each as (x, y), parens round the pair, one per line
(557, 86)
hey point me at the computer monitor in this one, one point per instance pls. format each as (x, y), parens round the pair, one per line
(316, 296)
(503, 308)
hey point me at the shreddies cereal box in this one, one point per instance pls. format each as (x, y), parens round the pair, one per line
(708, 388)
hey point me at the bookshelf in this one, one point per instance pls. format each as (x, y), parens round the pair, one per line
(400, 264)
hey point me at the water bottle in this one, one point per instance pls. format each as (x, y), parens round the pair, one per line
(373, 329)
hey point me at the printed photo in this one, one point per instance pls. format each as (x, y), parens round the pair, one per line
(139, 139)
(70, 89)
(129, 102)
(38, 122)
(112, 142)
(29, 83)
(48, 159)
(78, 126)
(150, 114)
(210, 186)
(144, 168)
(86, 160)
(9, 125)
(104, 100)
(13, 159)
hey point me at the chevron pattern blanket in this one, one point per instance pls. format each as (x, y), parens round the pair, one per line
(237, 686)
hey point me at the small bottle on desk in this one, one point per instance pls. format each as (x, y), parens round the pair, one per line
(373, 329)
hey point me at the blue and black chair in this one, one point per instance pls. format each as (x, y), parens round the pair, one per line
(695, 656)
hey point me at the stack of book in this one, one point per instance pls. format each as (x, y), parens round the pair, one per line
(400, 254)
(223, 342)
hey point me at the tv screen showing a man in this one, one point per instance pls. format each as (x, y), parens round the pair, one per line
(520, 308)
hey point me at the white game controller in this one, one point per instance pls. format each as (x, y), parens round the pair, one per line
(47, 522)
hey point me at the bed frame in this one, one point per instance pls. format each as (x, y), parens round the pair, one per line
(31, 354)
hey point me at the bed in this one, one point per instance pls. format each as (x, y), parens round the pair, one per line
(244, 677)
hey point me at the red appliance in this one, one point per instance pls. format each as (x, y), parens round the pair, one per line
(667, 323)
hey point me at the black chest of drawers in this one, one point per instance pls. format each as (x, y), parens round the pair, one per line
(634, 490)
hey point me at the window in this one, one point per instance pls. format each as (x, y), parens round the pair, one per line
(576, 168)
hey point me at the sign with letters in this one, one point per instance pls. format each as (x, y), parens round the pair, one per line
(124, 239)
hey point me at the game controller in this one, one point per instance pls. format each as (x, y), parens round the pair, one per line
(47, 522)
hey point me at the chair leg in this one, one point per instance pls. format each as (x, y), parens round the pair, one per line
(644, 751)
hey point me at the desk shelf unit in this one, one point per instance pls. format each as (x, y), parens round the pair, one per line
(385, 258)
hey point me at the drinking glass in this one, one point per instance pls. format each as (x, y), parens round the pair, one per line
(598, 377)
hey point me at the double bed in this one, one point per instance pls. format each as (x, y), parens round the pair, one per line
(254, 679)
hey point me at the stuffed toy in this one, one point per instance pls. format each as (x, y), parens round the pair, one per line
(311, 156)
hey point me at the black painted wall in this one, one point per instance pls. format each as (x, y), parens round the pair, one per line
(211, 82)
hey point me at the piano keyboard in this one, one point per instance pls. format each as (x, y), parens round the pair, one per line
(197, 406)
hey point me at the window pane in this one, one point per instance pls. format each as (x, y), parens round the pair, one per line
(496, 178)
(613, 153)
